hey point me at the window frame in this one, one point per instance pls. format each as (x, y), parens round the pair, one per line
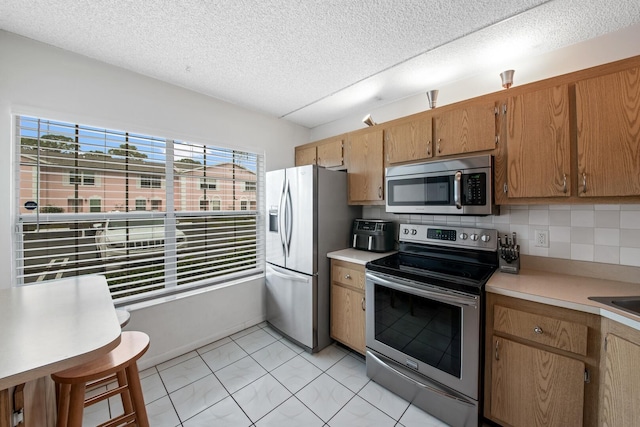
(171, 218)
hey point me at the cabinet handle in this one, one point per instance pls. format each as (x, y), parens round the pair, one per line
(584, 182)
(347, 276)
(564, 183)
(428, 148)
(497, 344)
(439, 139)
(380, 192)
(362, 304)
(538, 330)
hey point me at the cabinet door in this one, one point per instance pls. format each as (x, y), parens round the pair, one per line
(305, 156)
(533, 387)
(408, 141)
(621, 392)
(330, 154)
(348, 317)
(538, 144)
(366, 168)
(608, 121)
(465, 130)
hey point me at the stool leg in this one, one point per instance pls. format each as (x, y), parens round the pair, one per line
(126, 398)
(133, 378)
(63, 404)
(76, 405)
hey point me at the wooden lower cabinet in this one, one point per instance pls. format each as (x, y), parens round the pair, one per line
(620, 395)
(541, 364)
(348, 304)
(531, 386)
(36, 400)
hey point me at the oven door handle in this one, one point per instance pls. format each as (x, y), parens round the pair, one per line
(459, 300)
(419, 384)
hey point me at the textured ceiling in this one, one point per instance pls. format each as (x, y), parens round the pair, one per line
(312, 61)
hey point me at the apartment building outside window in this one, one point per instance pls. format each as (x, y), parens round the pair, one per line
(130, 206)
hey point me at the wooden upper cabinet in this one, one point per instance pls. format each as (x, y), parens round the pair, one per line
(538, 144)
(608, 126)
(465, 129)
(330, 154)
(409, 141)
(305, 155)
(366, 168)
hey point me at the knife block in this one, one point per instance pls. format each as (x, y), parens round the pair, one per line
(507, 263)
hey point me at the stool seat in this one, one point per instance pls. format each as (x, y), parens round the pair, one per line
(119, 363)
(133, 345)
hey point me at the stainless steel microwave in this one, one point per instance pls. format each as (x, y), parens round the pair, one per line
(462, 186)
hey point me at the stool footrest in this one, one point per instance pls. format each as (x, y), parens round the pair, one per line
(118, 421)
(105, 395)
(104, 381)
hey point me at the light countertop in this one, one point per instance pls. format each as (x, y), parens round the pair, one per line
(357, 256)
(566, 291)
(51, 326)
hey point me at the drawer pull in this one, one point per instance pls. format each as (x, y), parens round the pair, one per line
(538, 330)
(347, 276)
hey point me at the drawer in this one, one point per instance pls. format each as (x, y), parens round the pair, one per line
(553, 332)
(348, 274)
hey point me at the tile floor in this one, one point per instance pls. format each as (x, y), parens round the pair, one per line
(258, 378)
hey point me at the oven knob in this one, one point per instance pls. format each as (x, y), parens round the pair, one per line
(414, 232)
(406, 231)
(463, 236)
(474, 237)
(485, 238)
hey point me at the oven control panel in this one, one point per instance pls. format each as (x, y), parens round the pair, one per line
(446, 235)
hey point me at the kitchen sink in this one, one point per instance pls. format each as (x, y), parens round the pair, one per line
(629, 304)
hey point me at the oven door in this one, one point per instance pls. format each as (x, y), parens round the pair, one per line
(429, 329)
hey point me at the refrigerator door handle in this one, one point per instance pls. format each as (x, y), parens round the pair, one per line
(282, 219)
(289, 218)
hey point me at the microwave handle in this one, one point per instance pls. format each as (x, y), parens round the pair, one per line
(457, 190)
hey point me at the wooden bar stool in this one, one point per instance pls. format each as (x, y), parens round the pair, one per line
(121, 362)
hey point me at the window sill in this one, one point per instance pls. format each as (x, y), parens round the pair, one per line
(177, 295)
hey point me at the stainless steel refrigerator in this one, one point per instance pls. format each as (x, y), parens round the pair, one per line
(308, 216)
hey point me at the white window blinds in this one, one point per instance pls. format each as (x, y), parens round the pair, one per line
(134, 208)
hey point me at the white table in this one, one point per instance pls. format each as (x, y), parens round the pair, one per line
(54, 325)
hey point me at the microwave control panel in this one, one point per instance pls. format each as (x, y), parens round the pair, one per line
(474, 189)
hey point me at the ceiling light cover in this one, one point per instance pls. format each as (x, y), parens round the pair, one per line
(507, 78)
(432, 96)
(368, 120)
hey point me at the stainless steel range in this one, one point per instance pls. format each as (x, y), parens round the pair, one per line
(424, 311)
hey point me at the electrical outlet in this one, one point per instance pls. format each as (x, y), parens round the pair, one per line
(542, 238)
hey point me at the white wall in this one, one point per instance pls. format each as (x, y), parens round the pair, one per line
(608, 48)
(44, 81)
(179, 326)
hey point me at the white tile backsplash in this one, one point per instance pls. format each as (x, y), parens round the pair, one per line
(601, 233)
(630, 219)
(582, 218)
(630, 256)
